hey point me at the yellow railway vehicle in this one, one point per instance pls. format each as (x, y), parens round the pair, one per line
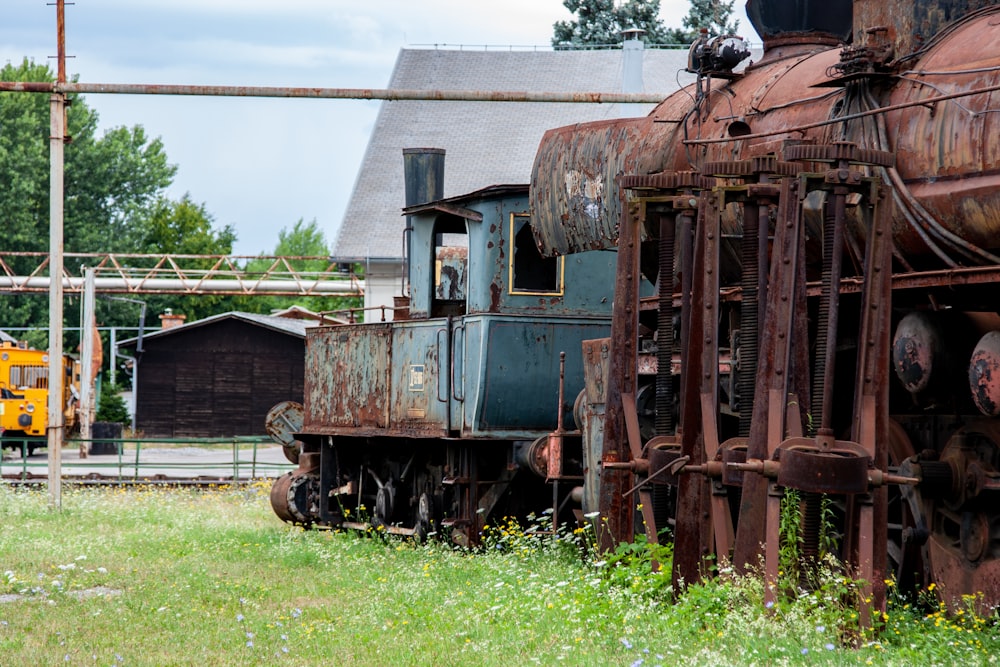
(24, 393)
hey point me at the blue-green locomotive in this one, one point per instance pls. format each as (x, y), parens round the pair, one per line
(440, 419)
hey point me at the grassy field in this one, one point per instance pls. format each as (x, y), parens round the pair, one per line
(156, 576)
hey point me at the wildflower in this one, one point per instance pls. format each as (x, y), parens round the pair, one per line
(296, 612)
(591, 515)
(820, 628)
(804, 651)
(284, 649)
(769, 604)
(829, 647)
(626, 642)
(637, 662)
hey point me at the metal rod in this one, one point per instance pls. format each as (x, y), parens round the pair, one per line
(388, 94)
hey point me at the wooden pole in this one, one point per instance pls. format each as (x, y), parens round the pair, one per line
(57, 119)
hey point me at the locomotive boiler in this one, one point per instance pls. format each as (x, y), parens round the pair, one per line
(822, 229)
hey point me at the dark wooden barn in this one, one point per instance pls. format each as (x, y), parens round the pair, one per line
(217, 377)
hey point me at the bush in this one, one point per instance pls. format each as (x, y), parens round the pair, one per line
(111, 407)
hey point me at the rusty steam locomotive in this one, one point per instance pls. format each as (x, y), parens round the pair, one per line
(805, 297)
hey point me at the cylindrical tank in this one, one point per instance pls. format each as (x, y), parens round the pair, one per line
(947, 175)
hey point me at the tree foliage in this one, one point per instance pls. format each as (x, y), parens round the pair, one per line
(600, 23)
(115, 200)
(302, 240)
(183, 228)
(713, 15)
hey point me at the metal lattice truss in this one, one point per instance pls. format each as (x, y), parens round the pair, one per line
(27, 272)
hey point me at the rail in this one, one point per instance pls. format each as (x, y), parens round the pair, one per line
(187, 460)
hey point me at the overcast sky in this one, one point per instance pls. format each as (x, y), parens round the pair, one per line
(262, 164)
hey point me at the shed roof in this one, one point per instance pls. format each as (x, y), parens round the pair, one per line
(286, 325)
(486, 142)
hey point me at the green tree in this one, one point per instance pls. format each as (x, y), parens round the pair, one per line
(109, 180)
(600, 23)
(111, 406)
(302, 240)
(713, 15)
(184, 228)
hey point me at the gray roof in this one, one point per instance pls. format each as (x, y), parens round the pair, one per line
(286, 325)
(6, 337)
(486, 143)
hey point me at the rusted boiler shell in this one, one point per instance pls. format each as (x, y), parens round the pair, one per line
(948, 153)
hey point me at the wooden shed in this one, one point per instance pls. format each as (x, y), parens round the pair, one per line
(217, 377)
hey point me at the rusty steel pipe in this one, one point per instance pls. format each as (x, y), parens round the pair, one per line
(388, 94)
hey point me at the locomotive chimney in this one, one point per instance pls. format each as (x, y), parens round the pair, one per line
(423, 178)
(423, 172)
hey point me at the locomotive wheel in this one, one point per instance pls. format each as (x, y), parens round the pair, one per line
(385, 500)
(907, 550)
(965, 527)
(425, 517)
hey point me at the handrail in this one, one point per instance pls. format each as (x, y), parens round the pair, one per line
(138, 460)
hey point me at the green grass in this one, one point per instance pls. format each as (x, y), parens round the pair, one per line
(156, 576)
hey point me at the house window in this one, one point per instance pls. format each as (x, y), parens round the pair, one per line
(530, 273)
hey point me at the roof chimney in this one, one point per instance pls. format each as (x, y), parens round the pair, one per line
(168, 320)
(632, 48)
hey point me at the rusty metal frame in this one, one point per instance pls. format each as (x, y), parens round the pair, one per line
(165, 273)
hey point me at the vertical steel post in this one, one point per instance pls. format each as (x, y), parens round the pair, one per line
(87, 380)
(57, 118)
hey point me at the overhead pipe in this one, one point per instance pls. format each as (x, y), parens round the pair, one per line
(390, 94)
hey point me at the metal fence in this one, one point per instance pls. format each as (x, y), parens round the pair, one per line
(131, 460)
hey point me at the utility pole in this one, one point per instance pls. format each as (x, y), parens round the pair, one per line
(57, 121)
